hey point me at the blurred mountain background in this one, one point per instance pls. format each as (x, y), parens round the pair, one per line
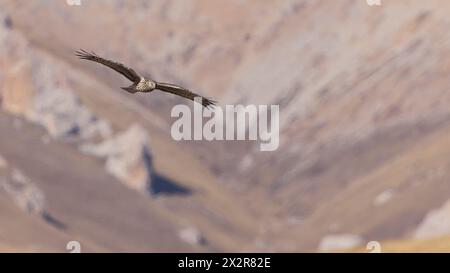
(364, 128)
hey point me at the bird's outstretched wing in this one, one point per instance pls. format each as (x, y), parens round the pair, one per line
(180, 91)
(122, 69)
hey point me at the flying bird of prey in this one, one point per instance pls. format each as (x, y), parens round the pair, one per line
(140, 84)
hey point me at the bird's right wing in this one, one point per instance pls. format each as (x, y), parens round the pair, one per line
(122, 69)
(183, 92)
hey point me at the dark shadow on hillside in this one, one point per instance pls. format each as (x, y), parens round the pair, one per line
(163, 185)
(160, 184)
(53, 221)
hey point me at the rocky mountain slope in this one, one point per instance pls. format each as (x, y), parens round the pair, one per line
(363, 130)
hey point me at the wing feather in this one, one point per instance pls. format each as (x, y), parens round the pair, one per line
(183, 92)
(122, 69)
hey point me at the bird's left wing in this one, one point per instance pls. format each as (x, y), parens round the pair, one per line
(183, 92)
(122, 69)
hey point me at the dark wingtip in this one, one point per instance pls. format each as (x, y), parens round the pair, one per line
(84, 55)
(209, 104)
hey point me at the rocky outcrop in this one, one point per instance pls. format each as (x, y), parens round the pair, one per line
(339, 242)
(128, 157)
(436, 223)
(15, 71)
(35, 86)
(384, 197)
(192, 235)
(24, 192)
